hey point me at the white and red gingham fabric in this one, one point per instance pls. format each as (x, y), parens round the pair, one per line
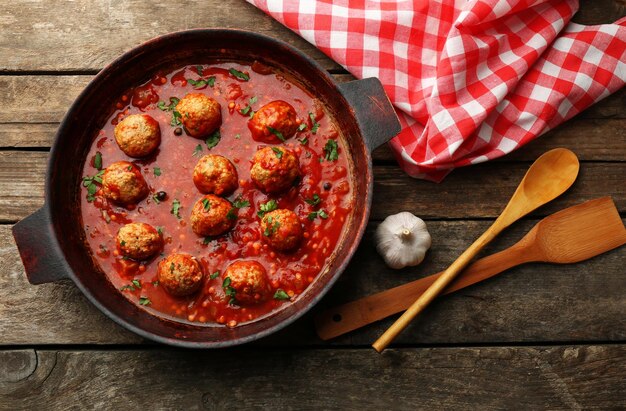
(471, 80)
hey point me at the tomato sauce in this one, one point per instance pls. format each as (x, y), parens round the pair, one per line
(170, 170)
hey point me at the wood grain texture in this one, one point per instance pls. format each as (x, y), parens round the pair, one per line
(99, 31)
(486, 378)
(530, 303)
(480, 191)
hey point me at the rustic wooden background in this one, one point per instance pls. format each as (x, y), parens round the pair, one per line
(539, 336)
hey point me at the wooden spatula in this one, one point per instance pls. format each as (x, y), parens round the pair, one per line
(569, 236)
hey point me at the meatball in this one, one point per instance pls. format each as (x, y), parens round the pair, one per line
(271, 119)
(274, 169)
(246, 282)
(215, 175)
(281, 229)
(180, 274)
(138, 135)
(201, 115)
(139, 241)
(123, 183)
(212, 215)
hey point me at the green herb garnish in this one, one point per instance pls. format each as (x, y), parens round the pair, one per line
(215, 275)
(240, 203)
(267, 207)
(276, 133)
(197, 150)
(144, 301)
(302, 127)
(157, 171)
(91, 184)
(320, 213)
(97, 160)
(202, 82)
(206, 204)
(331, 150)
(228, 290)
(232, 214)
(281, 295)
(136, 283)
(278, 152)
(176, 208)
(168, 107)
(213, 139)
(175, 119)
(313, 201)
(238, 74)
(271, 228)
(314, 124)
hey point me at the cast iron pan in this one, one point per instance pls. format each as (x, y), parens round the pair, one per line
(51, 241)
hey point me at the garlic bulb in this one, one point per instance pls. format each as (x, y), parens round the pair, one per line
(402, 240)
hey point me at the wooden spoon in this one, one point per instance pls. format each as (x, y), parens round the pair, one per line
(569, 236)
(548, 177)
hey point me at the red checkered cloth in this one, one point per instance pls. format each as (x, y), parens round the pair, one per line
(471, 80)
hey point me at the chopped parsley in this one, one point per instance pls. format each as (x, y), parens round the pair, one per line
(237, 136)
(239, 74)
(97, 160)
(247, 110)
(303, 141)
(176, 116)
(176, 208)
(136, 283)
(144, 301)
(232, 214)
(314, 124)
(302, 127)
(160, 230)
(281, 295)
(320, 213)
(202, 82)
(228, 290)
(206, 204)
(278, 152)
(213, 139)
(155, 283)
(91, 184)
(127, 287)
(207, 240)
(276, 133)
(155, 198)
(199, 70)
(157, 171)
(267, 207)
(197, 150)
(271, 228)
(122, 243)
(313, 201)
(330, 150)
(240, 203)
(168, 107)
(172, 267)
(215, 275)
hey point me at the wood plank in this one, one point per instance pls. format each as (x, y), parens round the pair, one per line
(590, 139)
(479, 191)
(532, 303)
(100, 31)
(46, 98)
(560, 377)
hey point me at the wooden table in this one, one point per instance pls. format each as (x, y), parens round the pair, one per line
(539, 336)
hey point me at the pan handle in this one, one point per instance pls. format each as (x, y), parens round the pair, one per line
(39, 249)
(373, 110)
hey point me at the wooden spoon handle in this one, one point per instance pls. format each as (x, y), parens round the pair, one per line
(339, 320)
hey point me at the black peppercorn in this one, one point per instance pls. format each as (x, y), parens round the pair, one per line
(161, 195)
(178, 131)
(327, 186)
